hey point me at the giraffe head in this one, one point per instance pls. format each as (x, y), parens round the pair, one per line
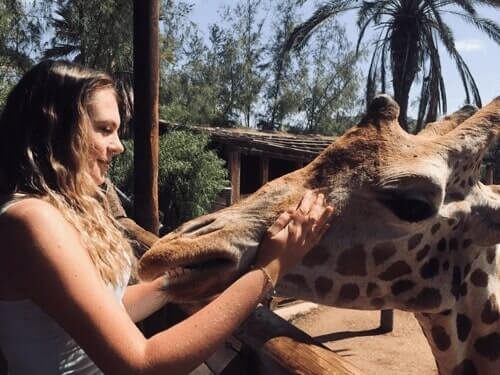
(410, 218)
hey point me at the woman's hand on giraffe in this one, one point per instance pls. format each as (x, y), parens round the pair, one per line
(293, 234)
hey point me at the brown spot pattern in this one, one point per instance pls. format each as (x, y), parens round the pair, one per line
(414, 241)
(377, 303)
(466, 243)
(372, 290)
(428, 298)
(352, 262)
(466, 269)
(446, 265)
(396, 270)
(316, 257)
(349, 292)
(440, 338)
(489, 315)
(490, 255)
(464, 326)
(423, 252)
(323, 285)
(430, 268)
(441, 246)
(401, 286)
(456, 282)
(463, 289)
(453, 244)
(435, 228)
(466, 367)
(479, 278)
(298, 280)
(382, 252)
(489, 346)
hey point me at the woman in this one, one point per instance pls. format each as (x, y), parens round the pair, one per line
(64, 265)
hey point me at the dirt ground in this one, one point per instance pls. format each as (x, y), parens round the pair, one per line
(352, 334)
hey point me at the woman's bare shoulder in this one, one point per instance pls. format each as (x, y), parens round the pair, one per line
(28, 220)
(29, 211)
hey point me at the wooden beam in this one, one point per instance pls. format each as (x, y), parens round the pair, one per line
(489, 174)
(146, 92)
(282, 348)
(235, 171)
(264, 169)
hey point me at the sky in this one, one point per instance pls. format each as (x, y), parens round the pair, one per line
(480, 54)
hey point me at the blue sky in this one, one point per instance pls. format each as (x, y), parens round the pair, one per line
(479, 52)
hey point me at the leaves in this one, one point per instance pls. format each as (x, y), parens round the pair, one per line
(190, 176)
(409, 30)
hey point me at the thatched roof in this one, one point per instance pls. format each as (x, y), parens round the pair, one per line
(294, 146)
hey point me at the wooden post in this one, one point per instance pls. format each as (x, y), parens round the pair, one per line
(235, 170)
(489, 174)
(264, 170)
(146, 91)
(386, 320)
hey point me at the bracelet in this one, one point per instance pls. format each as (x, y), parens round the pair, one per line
(269, 279)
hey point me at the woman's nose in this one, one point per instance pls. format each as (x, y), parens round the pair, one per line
(117, 146)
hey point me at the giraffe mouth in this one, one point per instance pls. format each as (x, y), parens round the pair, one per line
(199, 270)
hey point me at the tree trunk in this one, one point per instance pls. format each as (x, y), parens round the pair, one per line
(404, 63)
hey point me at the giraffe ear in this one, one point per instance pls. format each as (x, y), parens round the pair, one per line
(470, 139)
(449, 122)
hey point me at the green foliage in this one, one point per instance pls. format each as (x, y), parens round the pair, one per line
(22, 24)
(407, 46)
(95, 33)
(190, 176)
(122, 169)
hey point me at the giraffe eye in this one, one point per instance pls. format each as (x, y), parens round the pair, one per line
(410, 208)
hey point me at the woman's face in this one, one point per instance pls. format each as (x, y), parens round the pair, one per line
(105, 121)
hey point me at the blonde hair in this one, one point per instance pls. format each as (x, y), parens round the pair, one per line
(44, 152)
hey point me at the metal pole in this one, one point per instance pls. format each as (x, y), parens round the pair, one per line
(146, 92)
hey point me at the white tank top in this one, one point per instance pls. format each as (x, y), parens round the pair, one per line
(33, 343)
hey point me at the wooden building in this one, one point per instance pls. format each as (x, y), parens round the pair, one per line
(254, 157)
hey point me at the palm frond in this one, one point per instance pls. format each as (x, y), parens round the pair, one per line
(301, 33)
(362, 31)
(489, 27)
(60, 51)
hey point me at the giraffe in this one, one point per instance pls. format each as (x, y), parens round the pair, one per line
(414, 229)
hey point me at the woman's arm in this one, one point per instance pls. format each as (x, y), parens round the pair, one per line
(143, 299)
(48, 264)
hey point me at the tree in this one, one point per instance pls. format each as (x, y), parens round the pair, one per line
(409, 31)
(189, 92)
(326, 81)
(21, 27)
(278, 103)
(94, 33)
(248, 29)
(190, 176)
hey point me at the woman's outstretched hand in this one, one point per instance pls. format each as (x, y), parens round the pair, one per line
(293, 234)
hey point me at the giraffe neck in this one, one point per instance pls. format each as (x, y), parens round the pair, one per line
(453, 291)
(465, 339)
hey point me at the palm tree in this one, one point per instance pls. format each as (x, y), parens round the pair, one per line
(408, 35)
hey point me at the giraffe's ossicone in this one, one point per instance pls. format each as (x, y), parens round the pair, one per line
(414, 229)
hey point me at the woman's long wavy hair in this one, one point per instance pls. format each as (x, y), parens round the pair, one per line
(45, 153)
